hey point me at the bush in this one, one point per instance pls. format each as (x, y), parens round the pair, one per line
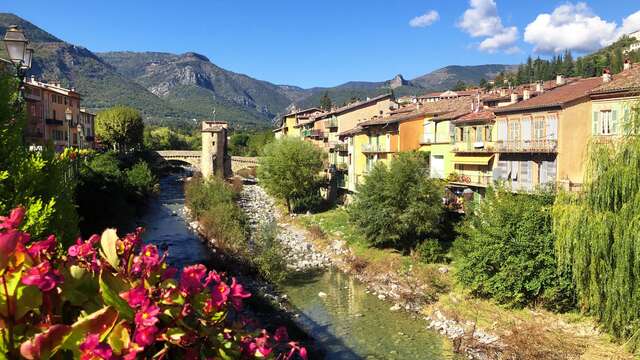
(268, 254)
(506, 251)
(290, 170)
(429, 251)
(398, 206)
(140, 179)
(201, 195)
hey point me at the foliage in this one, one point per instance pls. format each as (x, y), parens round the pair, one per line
(115, 298)
(399, 205)
(249, 143)
(212, 202)
(41, 182)
(599, 234)
(460, 86)
(268, 254)
(165, 138)
(325, 102)
(289, 169)
(120, 127)
(430, 251)
(141, 179)
(506, 251)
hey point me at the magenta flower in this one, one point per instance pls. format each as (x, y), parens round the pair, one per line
(146, 316)
(145, 336)
(169, 273)
(191, 278)
(262, 345)
(136, 296)
(220, 295)
(13, 220)
(213, 277)
(42, 247)
(150, 257)
(238, 293)
(281, 334)
(8, 242)
(301, 350)
(82, 249)
(43, 276)
(91, 349)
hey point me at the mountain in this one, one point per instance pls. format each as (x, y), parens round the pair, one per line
(448, 77)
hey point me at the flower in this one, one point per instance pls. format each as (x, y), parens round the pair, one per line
(191, 278)
(13, 220)
(213, 277)
(147, 315)
(42, 276)
(8, 242)
(145, 336)
(82, 249)
(281, 334)
(262, 344)
(238, 293)
(42, 247)
(220, 295)
(150, 257)
(301, 350)
(91, 348)
(135, 297)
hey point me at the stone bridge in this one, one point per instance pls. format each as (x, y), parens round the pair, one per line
(194, 159)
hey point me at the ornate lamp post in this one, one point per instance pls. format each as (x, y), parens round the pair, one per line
(80, 135)
(20, 55)
(68, 116)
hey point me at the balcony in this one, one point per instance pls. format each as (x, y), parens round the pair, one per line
(54, 122)
(527, 146)
(473, 147)
(426, 139)
(331, 123)
(341, 147)
(375, 148)
(314, 133)
(472, 178)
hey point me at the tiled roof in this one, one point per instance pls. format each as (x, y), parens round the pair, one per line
(624, 81)
(354, 105)
(350, 132)
(309, 110)
(557, 97)
(476, 116)
(443, 110)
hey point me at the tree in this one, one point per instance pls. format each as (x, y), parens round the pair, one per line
(325, 102)
(398, 206)
(460, 86)
(121, 127)
(289, 169)
(599, 234)
(505, 251)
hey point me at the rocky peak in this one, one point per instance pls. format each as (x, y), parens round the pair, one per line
(194, 56)
(397, 81)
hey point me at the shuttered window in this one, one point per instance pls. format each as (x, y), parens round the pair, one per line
(552, 127)
(526, 129)
(502, 130)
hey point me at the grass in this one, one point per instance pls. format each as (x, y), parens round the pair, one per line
(526, 333)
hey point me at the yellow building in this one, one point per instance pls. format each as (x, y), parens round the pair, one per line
(290, 124)
(544, 139)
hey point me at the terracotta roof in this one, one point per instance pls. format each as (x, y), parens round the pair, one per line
(309, 110)
(555, 98)
(443, 110)
(354, 105)
(628, 80)
(476, 116)
(350, 132)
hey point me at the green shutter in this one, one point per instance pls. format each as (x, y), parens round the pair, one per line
(614, 122)
(594, 123)
(625, 121)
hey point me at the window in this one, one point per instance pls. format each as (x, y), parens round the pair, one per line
(538, 128)
(54, 115)
(514, 131)
(428, 131)
(605, 122)
(478, 133)
(487, 133)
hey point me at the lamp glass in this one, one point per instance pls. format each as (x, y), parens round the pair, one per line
(15, 43)
(68, 114)
(28, 56)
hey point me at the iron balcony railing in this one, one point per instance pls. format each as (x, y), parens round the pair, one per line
(341, 147)
(375, 148)
(472, 178)
(527, 146)
(478, 146)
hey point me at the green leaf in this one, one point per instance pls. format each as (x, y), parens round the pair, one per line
(110, 289)
(175, 334)
(109, 249)
(27, 298)
(99, 322)
(77, 272)
(119, 338)
(46, 344)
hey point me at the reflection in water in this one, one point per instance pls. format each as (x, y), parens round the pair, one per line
(352, 324)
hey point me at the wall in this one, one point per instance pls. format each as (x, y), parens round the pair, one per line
(574, 132)
(290, 122)
(411, 133)
(350, 119)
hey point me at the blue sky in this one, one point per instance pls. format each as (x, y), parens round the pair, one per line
(328, 42)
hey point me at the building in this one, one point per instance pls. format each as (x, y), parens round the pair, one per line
(543, 140)
(88, 121)
(47, 107)
(636, 45)
(289, 124)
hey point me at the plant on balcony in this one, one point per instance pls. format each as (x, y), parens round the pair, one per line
(112, 297)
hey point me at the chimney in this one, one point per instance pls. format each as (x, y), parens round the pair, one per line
(526, 94)
(540, 86)
(503, 92)
(606, 75)
(627, 64)
(514, 98)
(559, 79)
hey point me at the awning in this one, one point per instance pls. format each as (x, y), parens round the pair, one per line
(472, 160)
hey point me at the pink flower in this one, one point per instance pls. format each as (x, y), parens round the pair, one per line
(169, 273)
(136, 296)
(281, 334)
(42, 247)
(82, 249)
(191, 278)
(92, 349)
(213, 277)
(262, 344)
(8, 242)
(14, 220)
(219, 295)
(301, 350)
(42, 276)
(146, 316)
(145, 336)
(150, 257)
(237, 294)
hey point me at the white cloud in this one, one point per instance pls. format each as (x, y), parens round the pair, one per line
(482, 20)
(575, 27)
(424, 20)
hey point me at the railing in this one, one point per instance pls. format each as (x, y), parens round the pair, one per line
(472, 178)
(478, 146)
(342, 147)
(426, 139)
(375, 148)
(331, 123)
(527, 146)
(314, 133)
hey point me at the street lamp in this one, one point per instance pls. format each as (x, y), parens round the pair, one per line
(80, 135)
(68, 115)
(16, 44)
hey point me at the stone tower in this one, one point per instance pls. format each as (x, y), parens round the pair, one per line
(214, 159)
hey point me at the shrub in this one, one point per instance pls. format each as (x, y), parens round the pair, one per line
(290, 170)
(140, 179)
(506, 251)
(268, 253)
(429, 251)
(398, 206)
(115, 298)
(201, 195)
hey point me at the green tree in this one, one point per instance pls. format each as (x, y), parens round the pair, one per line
(460, 86)
(398, 206)
(325, 102)
(599, 233)
(289, 169)
(505, 251)
(121, 127)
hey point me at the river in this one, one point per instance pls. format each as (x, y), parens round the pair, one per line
(344, 320)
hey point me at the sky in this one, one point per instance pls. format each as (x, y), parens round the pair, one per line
(328, 42)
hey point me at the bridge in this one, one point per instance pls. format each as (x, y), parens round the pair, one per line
(193, 158)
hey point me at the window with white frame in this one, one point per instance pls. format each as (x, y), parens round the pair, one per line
(606, 123)
(538, 128)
